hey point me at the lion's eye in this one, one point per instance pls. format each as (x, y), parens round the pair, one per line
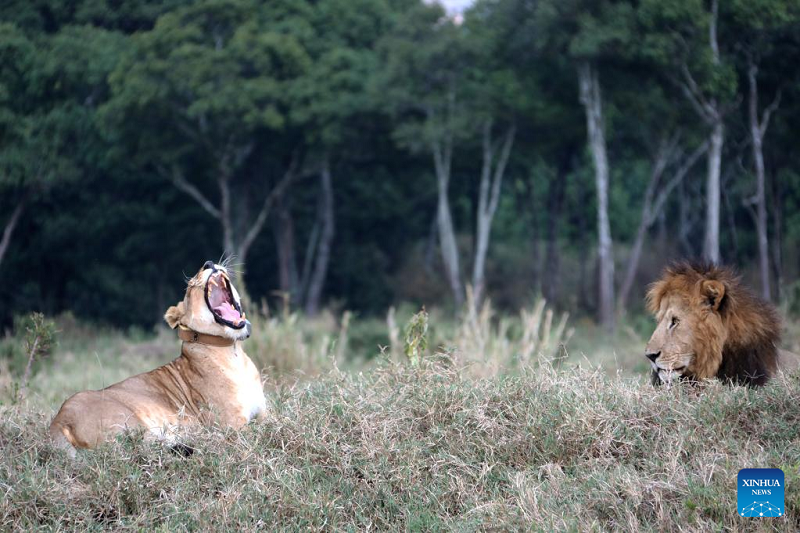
(674, 322)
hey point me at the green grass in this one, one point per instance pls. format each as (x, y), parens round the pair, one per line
(396, 447)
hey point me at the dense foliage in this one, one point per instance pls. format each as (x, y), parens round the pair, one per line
(336, 147)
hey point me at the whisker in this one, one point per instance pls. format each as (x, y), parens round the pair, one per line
(227, 260)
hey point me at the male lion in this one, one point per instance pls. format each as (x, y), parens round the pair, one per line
(710, 325)
(212, 380)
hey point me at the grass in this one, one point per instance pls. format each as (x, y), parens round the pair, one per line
(392, 446)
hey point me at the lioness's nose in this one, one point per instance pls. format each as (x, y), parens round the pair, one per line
(652, 356)
(208, 264)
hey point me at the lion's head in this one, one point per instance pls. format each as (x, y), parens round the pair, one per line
(710, 325)
(211, 305)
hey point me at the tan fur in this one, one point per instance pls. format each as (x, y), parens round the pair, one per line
(174, 314)
(710, 325)
(205, 384)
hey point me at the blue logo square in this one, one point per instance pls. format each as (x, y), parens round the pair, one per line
(761, 492)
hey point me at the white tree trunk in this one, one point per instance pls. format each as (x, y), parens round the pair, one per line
(442, 158)
(758, 128)
(11, 225)
(761, 214)
(712, 113)
(592, 102)
(323, 254)
(713, 193)
(711, 242)
(491, 182)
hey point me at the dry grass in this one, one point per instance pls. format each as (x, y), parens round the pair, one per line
(429, 447)
(287, 345)
(490, 347)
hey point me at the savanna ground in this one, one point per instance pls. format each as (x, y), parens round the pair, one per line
(496, 424)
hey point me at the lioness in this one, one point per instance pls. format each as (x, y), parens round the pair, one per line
(711, 325)
(212, 380)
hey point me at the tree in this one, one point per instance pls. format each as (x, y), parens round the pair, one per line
(593, 104)
(762, 29)
(497, 97)
(660, 186)
(684, 36)
(424, 86)
(203, 94)
(47, 93)
(331, 99)
(758, 128)
(495, 160)
(592, 34)
(19, 172)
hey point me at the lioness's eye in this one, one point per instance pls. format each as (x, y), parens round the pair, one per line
(674, 322)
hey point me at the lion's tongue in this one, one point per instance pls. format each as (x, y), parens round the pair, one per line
(227, 312)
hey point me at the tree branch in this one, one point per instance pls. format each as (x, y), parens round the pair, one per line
(676, 179)
(180, 182)
(712, 31)
(500, 169)
(692, 92)
(282, 185)
(767, 113)
(10, 225)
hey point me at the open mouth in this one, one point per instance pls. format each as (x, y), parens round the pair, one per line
(221, 302)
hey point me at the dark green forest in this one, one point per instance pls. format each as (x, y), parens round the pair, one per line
(356, 154)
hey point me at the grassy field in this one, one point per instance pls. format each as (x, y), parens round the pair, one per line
(494, 429)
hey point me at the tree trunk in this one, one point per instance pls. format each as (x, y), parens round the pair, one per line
(713, 194)
(429, 255)
(758, 128)
(11, 225)
(652, 207)
(550, 279)
(592, 102)
(712, 113)
(684, 223)
(777, 238)
(442, 158)
(490, 186)
(645, 220)
(586, 299)
(322, 257)
(233, 244)
(761, 217)
(526, 203)
(285, 242)
(226, 219)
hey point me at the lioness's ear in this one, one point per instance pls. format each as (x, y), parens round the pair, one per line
(174, 314)
(713, 292)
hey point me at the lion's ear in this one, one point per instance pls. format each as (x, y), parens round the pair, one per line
(174, 315)
(713, 292)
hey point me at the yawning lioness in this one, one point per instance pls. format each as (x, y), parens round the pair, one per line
(212, 380)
